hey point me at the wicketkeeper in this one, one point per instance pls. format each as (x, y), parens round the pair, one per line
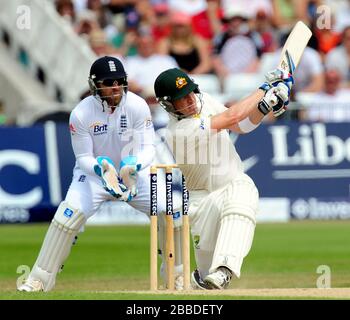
(113, 141)
(223, 199)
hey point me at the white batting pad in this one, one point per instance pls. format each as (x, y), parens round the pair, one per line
(237, 226)
(234, 242)
(242, 198)
(57, 244)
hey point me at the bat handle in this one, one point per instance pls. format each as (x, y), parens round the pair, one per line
(274, 100)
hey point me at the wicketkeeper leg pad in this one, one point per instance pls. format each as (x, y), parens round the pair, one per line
(57, 244)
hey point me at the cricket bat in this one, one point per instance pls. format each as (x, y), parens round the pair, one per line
(294, 47)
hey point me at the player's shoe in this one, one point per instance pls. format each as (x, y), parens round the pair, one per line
(197, 282)
(31, 285)
(220, 279)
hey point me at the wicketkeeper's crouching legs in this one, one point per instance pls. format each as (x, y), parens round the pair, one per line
(55, 248)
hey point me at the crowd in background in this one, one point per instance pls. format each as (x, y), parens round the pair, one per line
(222, 38)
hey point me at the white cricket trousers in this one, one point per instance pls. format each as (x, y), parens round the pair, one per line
(223, 224)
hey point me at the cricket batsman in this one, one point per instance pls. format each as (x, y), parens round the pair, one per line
(112, 136)
(223, 199)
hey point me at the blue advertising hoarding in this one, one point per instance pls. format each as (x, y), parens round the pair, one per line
(35, 171)
(298, 159)
(306, 163)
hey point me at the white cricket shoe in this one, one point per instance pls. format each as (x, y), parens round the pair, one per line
(31, 285)
(220, 279)
(197, 282)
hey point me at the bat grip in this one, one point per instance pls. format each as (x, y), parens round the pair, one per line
(274, 100)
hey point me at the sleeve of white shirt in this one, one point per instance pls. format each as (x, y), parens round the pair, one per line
(82, 145)
(214, 104)
(145, 136)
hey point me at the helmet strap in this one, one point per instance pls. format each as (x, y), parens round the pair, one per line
(168, 105)
(92, 86)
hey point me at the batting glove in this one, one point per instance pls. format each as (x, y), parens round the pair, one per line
(128, 173)
(275, 99)
(274, 77)
(110, 179)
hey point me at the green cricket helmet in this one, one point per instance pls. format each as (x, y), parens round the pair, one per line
(171, 85)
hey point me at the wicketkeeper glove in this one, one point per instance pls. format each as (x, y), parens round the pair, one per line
(128, 172)
(275, 99)
(110, 178)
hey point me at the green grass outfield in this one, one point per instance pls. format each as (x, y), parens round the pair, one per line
(112, 262)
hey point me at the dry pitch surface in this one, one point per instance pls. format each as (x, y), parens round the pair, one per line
(331, 293)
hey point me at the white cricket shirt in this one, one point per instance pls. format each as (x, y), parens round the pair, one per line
(97, 132)
(207, 158)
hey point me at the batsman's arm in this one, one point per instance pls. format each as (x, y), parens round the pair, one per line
(245, 108)
(247, 114)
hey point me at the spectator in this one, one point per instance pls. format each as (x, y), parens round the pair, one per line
(234, 50)
(264, 33)
(86, 23)
(103, 17)
(198, 12)
(288, 12)
(326, 38)
(309, 76)
(146, 13)
(161, 27)
(79, 5)
(66, 10)
(140, 9)
(339, 58)
(190, 51)
(121, 6)
(341, 10)
(125, 40)
(97, 7)
(251, 7)
(100, 45)
(144, 67)
(330, 104)
(214, 13)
